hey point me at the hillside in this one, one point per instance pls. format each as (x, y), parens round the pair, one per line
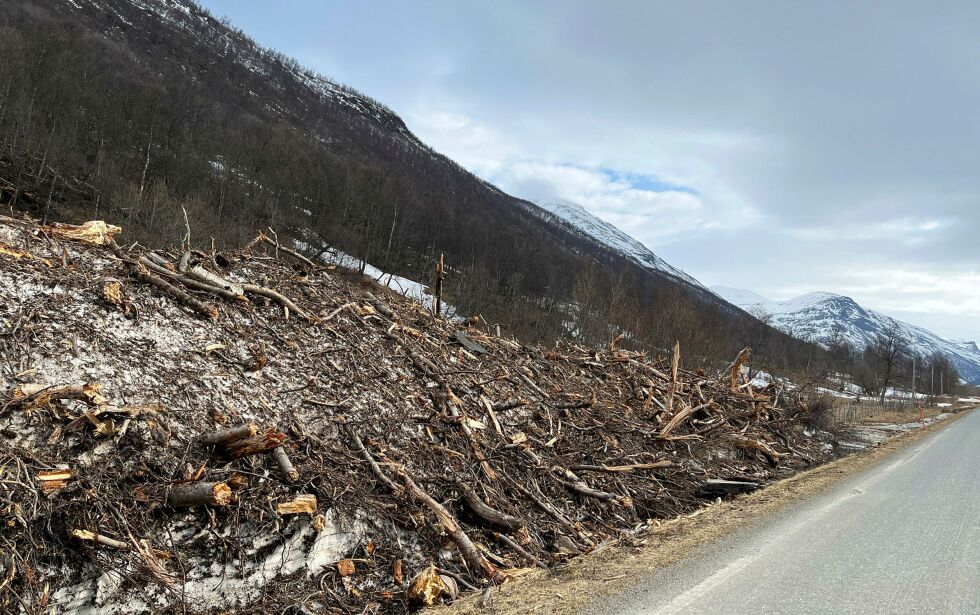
(225, 431)
(820, 317)
(605, 233)
(142, 110)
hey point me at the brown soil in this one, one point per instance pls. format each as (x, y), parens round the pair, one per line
(612, 567)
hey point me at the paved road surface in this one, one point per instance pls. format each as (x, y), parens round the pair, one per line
(902, 537)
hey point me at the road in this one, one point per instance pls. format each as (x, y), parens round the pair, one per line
(901, 537)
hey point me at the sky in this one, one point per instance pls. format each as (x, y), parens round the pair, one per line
(782, 147)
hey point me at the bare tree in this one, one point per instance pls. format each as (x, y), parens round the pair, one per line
(885, 353)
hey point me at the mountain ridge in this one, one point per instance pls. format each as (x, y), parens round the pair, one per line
(819, 317)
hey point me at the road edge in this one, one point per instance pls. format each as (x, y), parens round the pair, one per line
(614, 566)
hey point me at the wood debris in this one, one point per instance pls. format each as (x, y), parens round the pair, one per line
(301, 504)
(300, 417)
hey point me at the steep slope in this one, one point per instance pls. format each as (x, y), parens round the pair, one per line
(399, 428)
(142, 110)
(605, 233)
(819, 317)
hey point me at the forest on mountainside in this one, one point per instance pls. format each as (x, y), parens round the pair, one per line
(136, 116)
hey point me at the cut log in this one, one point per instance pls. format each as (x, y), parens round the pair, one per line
(285, 465)
(490, 515)
(715, 488)
(185, 495)
(226, 436)
(254, 445)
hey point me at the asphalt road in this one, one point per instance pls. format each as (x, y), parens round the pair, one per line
(901, 537)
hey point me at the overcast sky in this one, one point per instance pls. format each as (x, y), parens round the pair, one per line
(779, 147)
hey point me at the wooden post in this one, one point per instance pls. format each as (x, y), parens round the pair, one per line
(440, 272)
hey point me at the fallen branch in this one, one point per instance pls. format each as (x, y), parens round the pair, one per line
(474, 559)
(375, 468)
(507, 540)
(276, 296)
(580, 487)
(489, 514)
(141, 273)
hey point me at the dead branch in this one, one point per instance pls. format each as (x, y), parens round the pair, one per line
(476, 561)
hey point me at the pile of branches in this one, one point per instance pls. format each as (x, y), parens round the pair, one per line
(250, 430)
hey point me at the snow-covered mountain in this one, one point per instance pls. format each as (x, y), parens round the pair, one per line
(615, 239)
(819, 316)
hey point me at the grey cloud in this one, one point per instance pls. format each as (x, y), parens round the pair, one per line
(817, 135)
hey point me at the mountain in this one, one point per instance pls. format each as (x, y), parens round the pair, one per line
(818, 317)
(164, 120)
(605, 233)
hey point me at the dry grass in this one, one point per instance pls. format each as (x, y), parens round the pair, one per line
(905, 415)
(611, 568)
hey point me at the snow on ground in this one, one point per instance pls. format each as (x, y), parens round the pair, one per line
(865, 436)
(415, 291)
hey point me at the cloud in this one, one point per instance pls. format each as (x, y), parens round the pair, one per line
(766, 145)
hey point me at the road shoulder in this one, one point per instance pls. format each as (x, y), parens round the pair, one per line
(613, 567)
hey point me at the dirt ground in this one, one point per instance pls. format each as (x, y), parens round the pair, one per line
(614, 566)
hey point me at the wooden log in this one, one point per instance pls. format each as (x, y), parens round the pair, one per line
(188, 282)
(490, 515)
(715, 488)
(141, 273)
(285, 465)
(201, 274)
(225, 436)
(185, 495)
(254, 445)
(473, 557)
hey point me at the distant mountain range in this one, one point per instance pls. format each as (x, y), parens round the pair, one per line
(817, 317)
